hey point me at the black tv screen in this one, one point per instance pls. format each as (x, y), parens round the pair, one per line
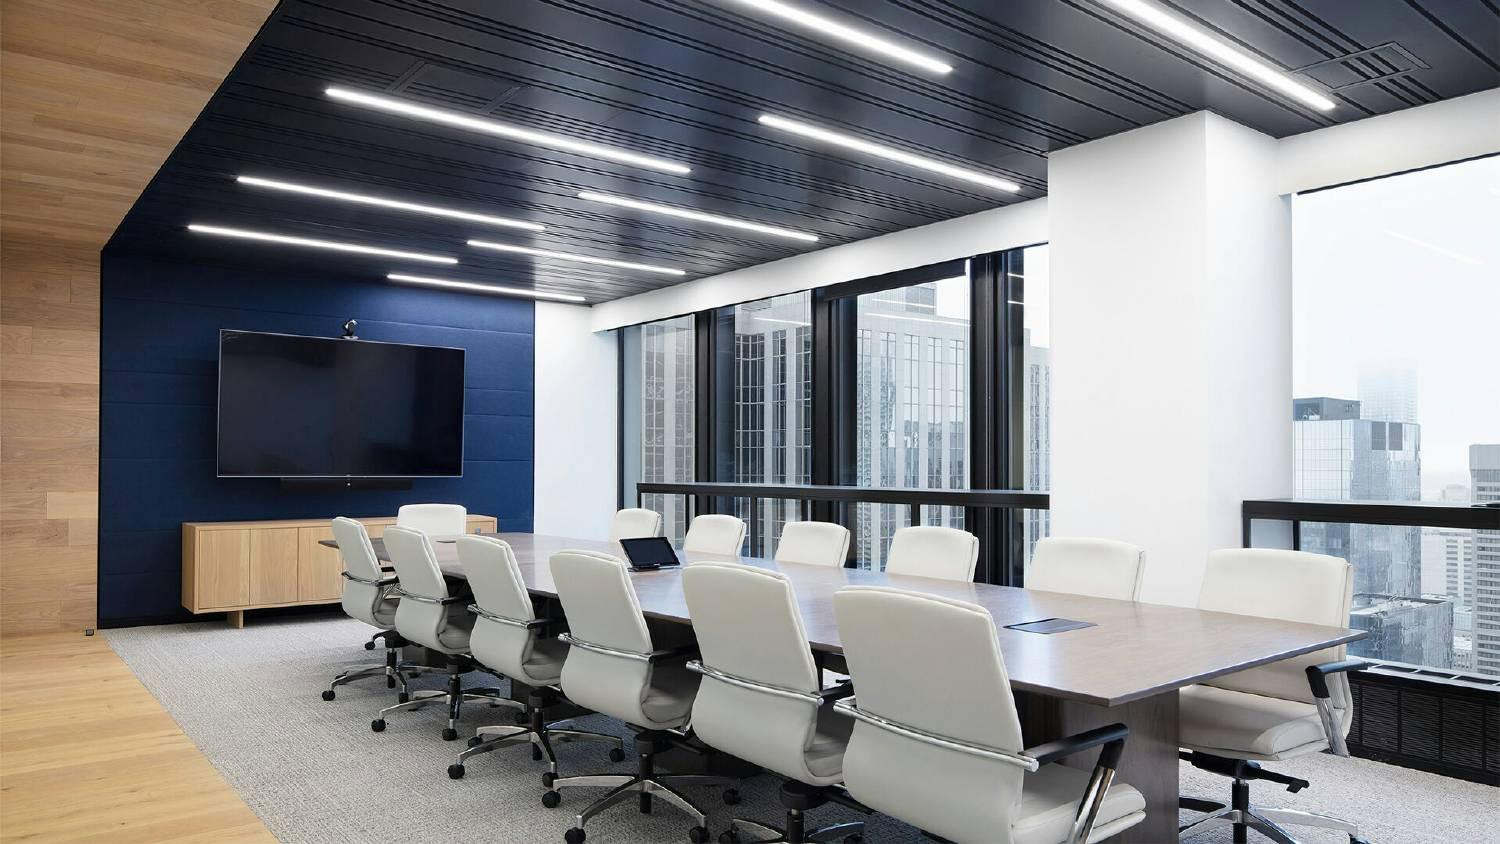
(292, 407)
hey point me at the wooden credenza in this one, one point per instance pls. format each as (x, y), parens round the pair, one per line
(231, 567)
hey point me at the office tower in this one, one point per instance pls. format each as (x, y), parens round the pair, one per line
(1038, 437)
(1484, 475)
(911, 409)
(667, 412)
(1339, 454)
(1388, 392)
(1404, 629)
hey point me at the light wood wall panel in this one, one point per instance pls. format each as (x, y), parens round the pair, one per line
(93, 96)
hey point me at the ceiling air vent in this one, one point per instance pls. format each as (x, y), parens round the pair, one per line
(1363, 67)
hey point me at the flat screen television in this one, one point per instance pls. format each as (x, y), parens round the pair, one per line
(318, 407)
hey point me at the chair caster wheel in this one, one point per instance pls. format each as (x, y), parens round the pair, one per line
(370, 645)
(731, 796)
(328, 694)
(550, 799)
(403, 698)
(536, 753)
(616, 754)
(378, 725)
(729, 836)
(548, 779)
(455, 772)
(474, 741)
(449, 734)
(574, 836)
(698, 835)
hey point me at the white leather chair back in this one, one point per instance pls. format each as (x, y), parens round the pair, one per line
(1100, 568)
(749, 628)
(633, 523)
(1287, 585)
(421, 621)
(813, 544)
(889, 637)
(715, 534)
(363, 601)
(434, 519)
(495, 578)
(931, 551)
(602, 609)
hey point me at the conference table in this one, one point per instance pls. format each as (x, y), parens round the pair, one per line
(1125, 668)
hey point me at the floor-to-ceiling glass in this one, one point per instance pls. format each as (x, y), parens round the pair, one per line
(658, 417)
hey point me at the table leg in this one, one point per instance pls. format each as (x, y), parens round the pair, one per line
(1150, 762)
(236, 619)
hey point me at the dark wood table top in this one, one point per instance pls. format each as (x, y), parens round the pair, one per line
(1135, 650)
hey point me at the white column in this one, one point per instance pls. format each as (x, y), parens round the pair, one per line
(577, 383)
(1171, 341)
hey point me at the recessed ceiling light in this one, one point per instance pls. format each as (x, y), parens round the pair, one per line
(505, 130)
(364, 199)
(1220, 51)
(849, 35)
(711, 219)
(582, 259)
(931, 165)
(483, 288)
(319, 244)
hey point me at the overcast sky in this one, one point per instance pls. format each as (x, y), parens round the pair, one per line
(1406, 269)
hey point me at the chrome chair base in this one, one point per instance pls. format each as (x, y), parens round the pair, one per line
(767, 834)
(454, 698)
(1266, 821)
(487, 739)
(624, 786)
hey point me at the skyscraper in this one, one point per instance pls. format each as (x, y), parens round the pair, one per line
(1484, 474)
(1388, 392)
(1339, 454)
(1038, 437)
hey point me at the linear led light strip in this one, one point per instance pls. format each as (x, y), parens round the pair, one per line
(920, 162)
(697, 216)
(364, 199)
(1176, 28)
(849, 35)
(504, 130)
(336, 246)
(582, 259)
(483, 288)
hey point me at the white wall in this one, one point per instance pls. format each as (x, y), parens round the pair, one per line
(1170, 341)
(1436, 133)
(576, 409)
(1021, 224)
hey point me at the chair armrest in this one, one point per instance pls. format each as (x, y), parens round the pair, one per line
(1317, 678)
(837, 692)
(384, 581)
(1112, 737)
(1317, 675)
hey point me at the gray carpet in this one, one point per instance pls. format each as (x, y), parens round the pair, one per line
(314, 772)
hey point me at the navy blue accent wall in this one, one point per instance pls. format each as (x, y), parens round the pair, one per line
(159, 327)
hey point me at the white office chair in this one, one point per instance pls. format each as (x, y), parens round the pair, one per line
(1289, 708)
(937, 742)
(634, 522)
(508, 638)
(440, 520)
(760, 698)
(612, 668)
(813, 544)
(715, 534)
(1099, 568)
(430, 617)
(369, 597)
(930, 551)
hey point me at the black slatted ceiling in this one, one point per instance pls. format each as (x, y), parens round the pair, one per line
(686, 81)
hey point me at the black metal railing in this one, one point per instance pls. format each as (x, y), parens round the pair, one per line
(701, 498)
(1435, 514)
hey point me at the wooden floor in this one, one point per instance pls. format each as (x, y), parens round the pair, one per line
(87, 754)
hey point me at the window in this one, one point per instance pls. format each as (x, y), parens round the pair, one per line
(767, 401)
(1395, 307)
(911, 400)
(1030, 276)
(658, 414)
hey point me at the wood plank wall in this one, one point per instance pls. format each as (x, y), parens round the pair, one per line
(93, 96)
